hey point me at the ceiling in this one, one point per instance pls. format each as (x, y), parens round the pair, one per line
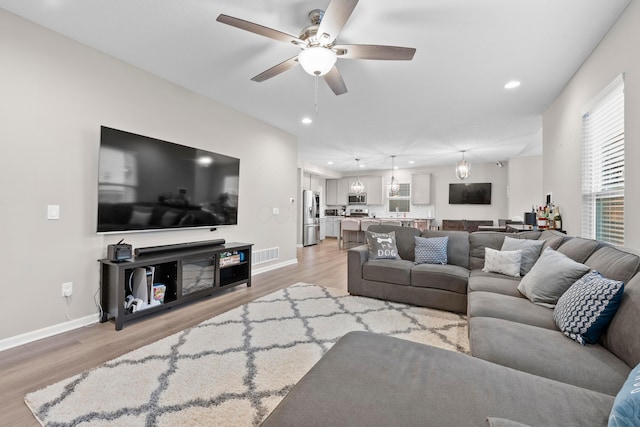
(450, 97)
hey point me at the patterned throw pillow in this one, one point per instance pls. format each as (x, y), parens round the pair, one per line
(503, 262)
(382, 245)
(585, 310)
(431, 250)
(626, 407)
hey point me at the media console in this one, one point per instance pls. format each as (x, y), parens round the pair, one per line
(159, 278)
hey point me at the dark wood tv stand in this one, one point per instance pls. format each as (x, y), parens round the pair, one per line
(188, 274)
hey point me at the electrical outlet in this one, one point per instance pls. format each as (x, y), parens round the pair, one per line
(67, 289)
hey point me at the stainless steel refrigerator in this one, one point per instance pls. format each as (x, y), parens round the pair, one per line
(310, 218)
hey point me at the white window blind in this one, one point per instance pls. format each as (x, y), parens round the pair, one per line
(603, 165)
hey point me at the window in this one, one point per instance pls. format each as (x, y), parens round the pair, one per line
(401, 202)
(603, 165)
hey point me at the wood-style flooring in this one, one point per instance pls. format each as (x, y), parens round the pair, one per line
(35, 365)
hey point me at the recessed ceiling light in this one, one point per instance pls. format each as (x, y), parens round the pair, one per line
(512, 84)
(411, 162)
(329, 162)
(361, 166)
(307, 120)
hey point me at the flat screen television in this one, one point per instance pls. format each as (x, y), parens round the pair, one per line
(149, 184)
(470, 194)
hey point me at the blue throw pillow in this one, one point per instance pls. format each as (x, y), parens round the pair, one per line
(587, 307)
(431, 250)
(626, 407)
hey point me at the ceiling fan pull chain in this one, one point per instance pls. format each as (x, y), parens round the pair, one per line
(316, 98)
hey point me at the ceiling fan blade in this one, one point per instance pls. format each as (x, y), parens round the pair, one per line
(335, 81)
(276, 69)
(336, 15)
(368, 51)
(259, 29)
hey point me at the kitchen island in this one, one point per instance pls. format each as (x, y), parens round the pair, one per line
(352, 229)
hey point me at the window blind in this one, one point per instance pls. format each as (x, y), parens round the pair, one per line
(603, 165)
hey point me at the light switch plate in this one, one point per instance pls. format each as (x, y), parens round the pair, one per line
(53, 212)
(276, 211)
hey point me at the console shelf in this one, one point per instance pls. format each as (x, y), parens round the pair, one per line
(187, 274)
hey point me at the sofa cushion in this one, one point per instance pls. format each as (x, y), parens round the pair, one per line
(487, 304)
(622, 337)
(493, 282)
(578, 248)
(517, 346)
(404, 238)
(396, 271)
(626, 406)
(503, 262)
(550, 277)
(447, 277)
(457, 246)
(585, 310)
(372, 380)
(432, 250)
(382, 245)
(531, 250)
(614, 263)
(553, 239)
(480, 240)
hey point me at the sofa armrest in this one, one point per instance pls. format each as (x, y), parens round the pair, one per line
(356, 257)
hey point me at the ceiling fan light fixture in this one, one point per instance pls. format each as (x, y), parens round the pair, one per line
(462, 169)
(317, 60)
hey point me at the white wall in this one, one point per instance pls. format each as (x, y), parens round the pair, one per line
(562, 124)
(525, 185)
(55, 94)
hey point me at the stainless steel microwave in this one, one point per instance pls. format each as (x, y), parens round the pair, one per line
(357, 198)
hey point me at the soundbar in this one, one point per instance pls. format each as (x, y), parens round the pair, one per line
(178, 247)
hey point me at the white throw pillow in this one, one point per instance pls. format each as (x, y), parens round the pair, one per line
(503, 262)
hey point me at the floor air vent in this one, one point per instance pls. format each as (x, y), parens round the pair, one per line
(265, 255)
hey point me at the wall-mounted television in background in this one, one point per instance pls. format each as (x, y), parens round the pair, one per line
(148, 184)
(470, 194)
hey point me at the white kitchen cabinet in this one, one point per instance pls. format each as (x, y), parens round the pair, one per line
(373, 187)
(336, 191)
(421, 189)
(331, 191)
(332, 226)
(323, 228)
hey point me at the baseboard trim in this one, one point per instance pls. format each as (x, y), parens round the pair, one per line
(255, 271)
(47, 332)
(50, 331)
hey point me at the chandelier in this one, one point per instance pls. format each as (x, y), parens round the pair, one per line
(394, 185)
(357, 186)
(462, 168)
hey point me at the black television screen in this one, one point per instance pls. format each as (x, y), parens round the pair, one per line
(148, 184)
(470, 194)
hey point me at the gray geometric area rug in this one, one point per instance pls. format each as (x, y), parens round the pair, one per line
(233, 369)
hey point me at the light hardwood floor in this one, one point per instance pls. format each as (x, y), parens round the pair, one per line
(36, 365)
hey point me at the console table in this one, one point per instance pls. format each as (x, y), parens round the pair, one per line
(187, 274)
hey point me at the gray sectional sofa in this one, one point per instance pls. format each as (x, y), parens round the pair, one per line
(522, 368)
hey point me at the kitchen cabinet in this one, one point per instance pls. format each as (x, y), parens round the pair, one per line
(336, 191)
(373, 187)
(421, 189)
(332, 226)
(323, 228)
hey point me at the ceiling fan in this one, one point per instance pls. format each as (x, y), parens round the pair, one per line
(318, 43)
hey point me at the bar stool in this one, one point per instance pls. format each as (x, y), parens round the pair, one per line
(391, 222)
(348, 227)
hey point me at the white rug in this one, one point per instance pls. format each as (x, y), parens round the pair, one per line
(233, 369)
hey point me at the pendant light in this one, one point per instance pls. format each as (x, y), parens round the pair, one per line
(394, 185)
(462, 168)
(357, 186)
